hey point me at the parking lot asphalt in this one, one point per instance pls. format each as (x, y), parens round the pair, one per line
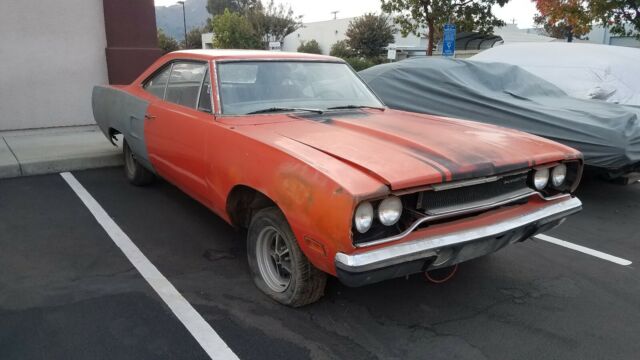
(68, 292)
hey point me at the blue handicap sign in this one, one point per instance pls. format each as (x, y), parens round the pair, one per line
(449, 40)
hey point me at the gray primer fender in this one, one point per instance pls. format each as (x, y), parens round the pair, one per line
(117, 109)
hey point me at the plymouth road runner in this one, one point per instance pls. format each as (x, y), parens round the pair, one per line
(325, 179)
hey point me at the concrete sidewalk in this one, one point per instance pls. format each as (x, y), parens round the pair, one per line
(35, 152)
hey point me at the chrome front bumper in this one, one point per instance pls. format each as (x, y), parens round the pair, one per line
(426, 253)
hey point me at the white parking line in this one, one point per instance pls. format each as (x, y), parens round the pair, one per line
(585, 250)
(212, 344)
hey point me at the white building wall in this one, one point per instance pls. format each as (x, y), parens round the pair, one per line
(52, 53)
(326, 33)
(600, 35)
(329, 32)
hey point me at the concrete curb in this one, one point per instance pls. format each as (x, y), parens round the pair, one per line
(45, 153)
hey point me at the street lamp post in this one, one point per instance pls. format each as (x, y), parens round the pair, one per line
(184, 22)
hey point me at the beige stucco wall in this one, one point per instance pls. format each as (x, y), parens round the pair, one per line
(51, 55)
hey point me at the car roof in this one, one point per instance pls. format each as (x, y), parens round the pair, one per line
(238, 54)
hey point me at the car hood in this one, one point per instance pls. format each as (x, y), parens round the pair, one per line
(405, 149)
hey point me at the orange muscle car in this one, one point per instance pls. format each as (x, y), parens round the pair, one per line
(296, 149)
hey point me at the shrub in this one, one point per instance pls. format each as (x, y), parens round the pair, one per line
(310, 47)
(166, 42)
(341, 49)
(358, 63)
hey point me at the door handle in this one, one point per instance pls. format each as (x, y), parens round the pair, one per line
(149, 117)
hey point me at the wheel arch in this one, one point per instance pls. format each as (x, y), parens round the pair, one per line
(243, 201)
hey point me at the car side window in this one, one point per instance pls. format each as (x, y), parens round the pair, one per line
(184, 83)
(157, 84)
(204, 104)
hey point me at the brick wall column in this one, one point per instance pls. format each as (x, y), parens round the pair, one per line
(130, 26)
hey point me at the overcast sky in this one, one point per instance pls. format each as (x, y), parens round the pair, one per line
(520, 10)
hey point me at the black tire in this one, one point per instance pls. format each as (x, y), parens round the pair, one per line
(306, 283)
(136, 174)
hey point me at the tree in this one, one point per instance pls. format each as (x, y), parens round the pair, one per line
(564, 18)
(274, 22)
(233, 31)
(416, 16)
(367, 35)
(558, 31)
(622, 17)
(311, 47)
(341, 49)
(194, 38)
(217, 7)
(166, 42)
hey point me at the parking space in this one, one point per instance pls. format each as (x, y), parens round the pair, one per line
(67, 291)
(608, 221)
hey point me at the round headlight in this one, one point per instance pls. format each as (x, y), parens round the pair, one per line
(390, 210)
(364, 217)
(558, 175)
(541, 178)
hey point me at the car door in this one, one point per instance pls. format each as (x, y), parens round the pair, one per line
(176, 128)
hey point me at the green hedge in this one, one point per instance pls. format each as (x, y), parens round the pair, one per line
(359, 63)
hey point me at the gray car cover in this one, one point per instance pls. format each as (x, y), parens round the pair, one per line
(607, 134)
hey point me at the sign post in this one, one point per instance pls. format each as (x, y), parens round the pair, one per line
(391, 52)
(449, 40)
(275, 46)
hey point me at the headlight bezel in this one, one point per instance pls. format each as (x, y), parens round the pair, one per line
(572, 177)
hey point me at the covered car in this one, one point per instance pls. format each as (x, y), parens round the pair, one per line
(585, 71)
(607, 134)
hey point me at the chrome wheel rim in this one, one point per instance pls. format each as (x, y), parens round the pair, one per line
(274, 259)
(129, 162)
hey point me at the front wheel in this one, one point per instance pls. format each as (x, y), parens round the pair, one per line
(136, 174)
(278, 266)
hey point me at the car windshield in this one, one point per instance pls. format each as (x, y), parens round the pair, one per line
(272, 86)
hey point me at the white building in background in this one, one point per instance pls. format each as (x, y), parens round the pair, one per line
(600, 35)
(328, 32)
(511, 33)
(597, 35)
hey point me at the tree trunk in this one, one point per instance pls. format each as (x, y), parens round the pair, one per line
(429, 18)
(431, 36)
(570, 34)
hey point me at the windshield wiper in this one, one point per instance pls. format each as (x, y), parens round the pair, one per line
(356, 107)
(278, 109)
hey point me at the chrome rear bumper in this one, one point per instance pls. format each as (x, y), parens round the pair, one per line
(421, 254)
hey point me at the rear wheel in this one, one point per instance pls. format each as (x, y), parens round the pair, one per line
(278, 266)
(136, 173)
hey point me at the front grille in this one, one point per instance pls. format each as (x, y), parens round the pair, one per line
(435, 202)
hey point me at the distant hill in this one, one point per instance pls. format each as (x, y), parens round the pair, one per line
(169, 18)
